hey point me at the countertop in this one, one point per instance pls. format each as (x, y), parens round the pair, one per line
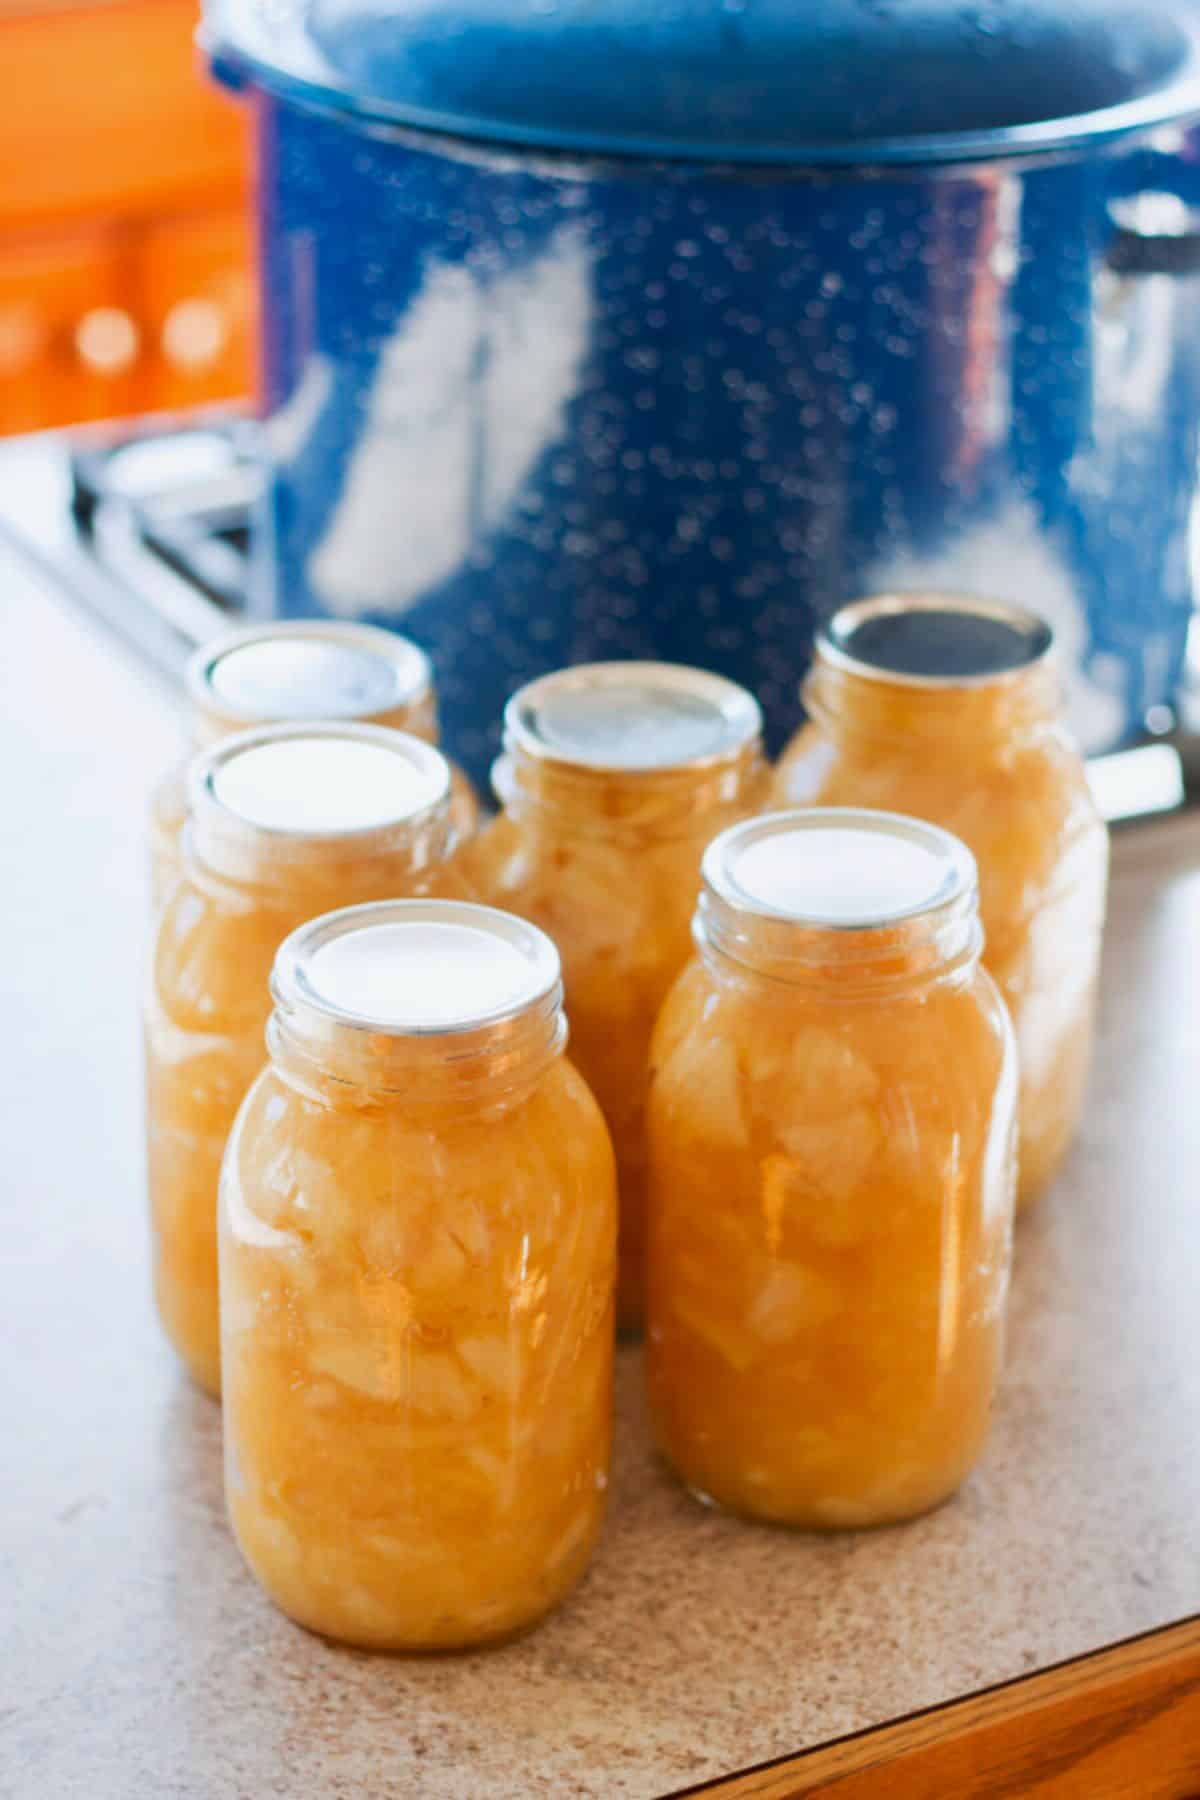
(138, 1658)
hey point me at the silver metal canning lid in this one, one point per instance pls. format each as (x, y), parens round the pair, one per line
(307, 783)
(935, 640)
(306, 670)
(418, 968)
(631, 718)
(839, 868)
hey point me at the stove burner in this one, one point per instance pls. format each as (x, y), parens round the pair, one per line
(185, 496)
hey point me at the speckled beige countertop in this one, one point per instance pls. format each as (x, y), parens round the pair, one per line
(138, 1659)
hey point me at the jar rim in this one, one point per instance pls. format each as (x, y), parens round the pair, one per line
(956, 889)
(407, 675)
(431, 791)
(292, 983)
(717, 718)
(1019, 640)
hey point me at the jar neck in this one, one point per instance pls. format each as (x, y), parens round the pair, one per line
(851, 704)
(329, 872)
(487, 1069)
(626, 803)
(417, 716)
(841, 962)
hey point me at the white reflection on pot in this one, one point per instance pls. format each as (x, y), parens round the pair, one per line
(471, 390)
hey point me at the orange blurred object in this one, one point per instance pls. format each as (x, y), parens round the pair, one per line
(124, 233)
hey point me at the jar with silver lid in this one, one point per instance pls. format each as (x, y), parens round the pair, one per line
(950, 708)
(831, 1125)
(417, 1265)
(614, 778)
(285, 823)
(296, 673)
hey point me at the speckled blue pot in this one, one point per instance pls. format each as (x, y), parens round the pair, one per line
(538, 410)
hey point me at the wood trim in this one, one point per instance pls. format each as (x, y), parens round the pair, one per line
(1123, 1724)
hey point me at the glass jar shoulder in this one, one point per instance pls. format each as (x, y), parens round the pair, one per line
(343, 1166)
(753, 1067)
(1019, 806)
(597, 891)
(211, 959)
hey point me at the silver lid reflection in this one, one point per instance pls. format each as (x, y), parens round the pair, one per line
(631, 717)
(936, 639)
(419, 967)
(301, 671)
(839, 867)
(319, 781)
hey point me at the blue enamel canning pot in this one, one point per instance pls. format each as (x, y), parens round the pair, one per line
(660, 328)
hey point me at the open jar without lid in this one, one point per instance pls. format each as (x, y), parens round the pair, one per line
(935, 664)
(614, 778)
(418, 1223)
(286, 823)
(831, 1175)
(949, 708)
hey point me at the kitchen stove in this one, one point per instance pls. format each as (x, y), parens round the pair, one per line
(149, 532)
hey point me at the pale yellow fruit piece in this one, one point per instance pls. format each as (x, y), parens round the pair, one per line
(904, 1490)
(825, 1076)
(275, 1188)
(834, 1155)
(434, 1384)
(494, 1360)
(273, 1534)
(707, 1068)
(365, 1367)
(792, 1300)
(318, 1189)
(824, 1205)
(734, 1344)
(470, 1227)
(495, 1470)
(386, 1237)
(440, 1264)
(415, 1548)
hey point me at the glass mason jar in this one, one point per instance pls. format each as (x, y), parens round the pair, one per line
(418, 1248)
(615, 776)
(949, 709)
(293, 673)
(286, 823)
(831, 1124)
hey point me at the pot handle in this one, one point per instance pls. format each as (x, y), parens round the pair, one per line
(1155, 217)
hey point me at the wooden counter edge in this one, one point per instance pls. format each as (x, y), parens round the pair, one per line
(1120, 1724)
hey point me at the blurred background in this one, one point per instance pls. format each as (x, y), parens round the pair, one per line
(125, 281)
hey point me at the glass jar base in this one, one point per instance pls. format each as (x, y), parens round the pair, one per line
(816, 1527)
(396, 1643)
